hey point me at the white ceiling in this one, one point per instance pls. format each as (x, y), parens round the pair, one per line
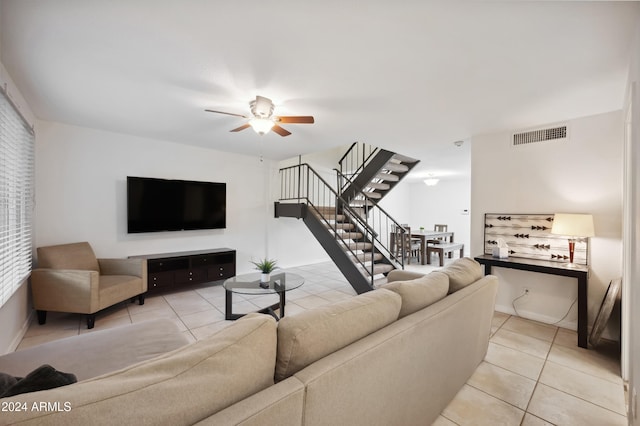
(409, 76)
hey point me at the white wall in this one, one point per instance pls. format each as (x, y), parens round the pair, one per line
(289, 239)
(397, 203)
(443, 203)
(583, 174)
(81, 196)
(81, 193)
(631, 280)
(323, 162)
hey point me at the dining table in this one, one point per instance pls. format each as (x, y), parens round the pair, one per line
(424, 236)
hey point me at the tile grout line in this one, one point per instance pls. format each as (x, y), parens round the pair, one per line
(538, 379)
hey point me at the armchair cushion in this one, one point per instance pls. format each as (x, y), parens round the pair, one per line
(116, 288)
(78, 256)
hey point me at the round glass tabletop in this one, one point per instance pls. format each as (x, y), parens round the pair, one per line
(250, 283)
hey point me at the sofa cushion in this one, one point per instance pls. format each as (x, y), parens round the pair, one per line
(420, 292)
(115, 288)
(68, 256)
(462, 272)
(308, 336)
(178, 388)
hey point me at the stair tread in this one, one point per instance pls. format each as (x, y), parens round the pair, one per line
(378, 268)
(344, 226)
(404, 158)
(374, 195)
(378, 185)
(388, 177)
(325, 208)
(337, 218)
(350, 235)
(359, 246)
(359, 203)
(396, 167)
(367, 257)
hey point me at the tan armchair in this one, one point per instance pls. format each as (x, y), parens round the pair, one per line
(70, 278)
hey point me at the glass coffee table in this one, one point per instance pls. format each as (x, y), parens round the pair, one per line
(280, 283)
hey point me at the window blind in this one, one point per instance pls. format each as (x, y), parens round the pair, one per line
(16, 198)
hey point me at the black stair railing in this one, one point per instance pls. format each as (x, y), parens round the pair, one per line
(380, 220)
(302, 184)
(356, 159)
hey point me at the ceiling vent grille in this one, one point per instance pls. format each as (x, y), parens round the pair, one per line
(540, 135)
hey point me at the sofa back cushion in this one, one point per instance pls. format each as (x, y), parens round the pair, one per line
(178, 388)
(462, 272)
(420, 292)
(68, 256)
(308, 336)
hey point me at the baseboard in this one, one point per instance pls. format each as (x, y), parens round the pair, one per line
(23, 330)
(535, 316)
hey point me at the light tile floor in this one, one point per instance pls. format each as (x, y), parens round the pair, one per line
(533, 374)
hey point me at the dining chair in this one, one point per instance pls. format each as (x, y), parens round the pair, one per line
(440, 228)
(403, 241)
(408, 228)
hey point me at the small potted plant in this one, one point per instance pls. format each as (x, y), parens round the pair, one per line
(266, 266)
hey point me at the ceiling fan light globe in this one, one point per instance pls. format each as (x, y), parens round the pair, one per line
(262, 126)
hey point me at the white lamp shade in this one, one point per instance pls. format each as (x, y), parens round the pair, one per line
(261, 125)
(573, 225)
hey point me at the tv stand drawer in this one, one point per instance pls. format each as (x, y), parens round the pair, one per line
(160, 265)
(221, 272)
(190, 276)
(159, 279)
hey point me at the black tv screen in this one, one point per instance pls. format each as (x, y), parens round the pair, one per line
(156, 205)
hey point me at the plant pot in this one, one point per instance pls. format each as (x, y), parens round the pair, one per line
(265, 277)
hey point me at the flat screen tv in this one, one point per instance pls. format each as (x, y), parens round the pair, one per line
(156, 205)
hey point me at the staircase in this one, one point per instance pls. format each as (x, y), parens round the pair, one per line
(372, 171)
(348, 222)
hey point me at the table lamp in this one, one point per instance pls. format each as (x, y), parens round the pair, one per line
(575, 226)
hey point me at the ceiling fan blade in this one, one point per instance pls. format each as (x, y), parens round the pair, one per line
(279, 130)
(237, 129)
(227, 113)
(297, 119)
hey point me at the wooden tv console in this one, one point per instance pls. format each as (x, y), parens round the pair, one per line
(172, 270)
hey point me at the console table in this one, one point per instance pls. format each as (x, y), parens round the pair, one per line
(166, 270)
(581, 273)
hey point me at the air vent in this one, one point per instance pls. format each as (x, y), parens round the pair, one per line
(540, 135)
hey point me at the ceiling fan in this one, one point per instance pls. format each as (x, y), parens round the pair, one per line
(263, 119)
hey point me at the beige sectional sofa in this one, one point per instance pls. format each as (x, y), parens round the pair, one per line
(394, 356)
